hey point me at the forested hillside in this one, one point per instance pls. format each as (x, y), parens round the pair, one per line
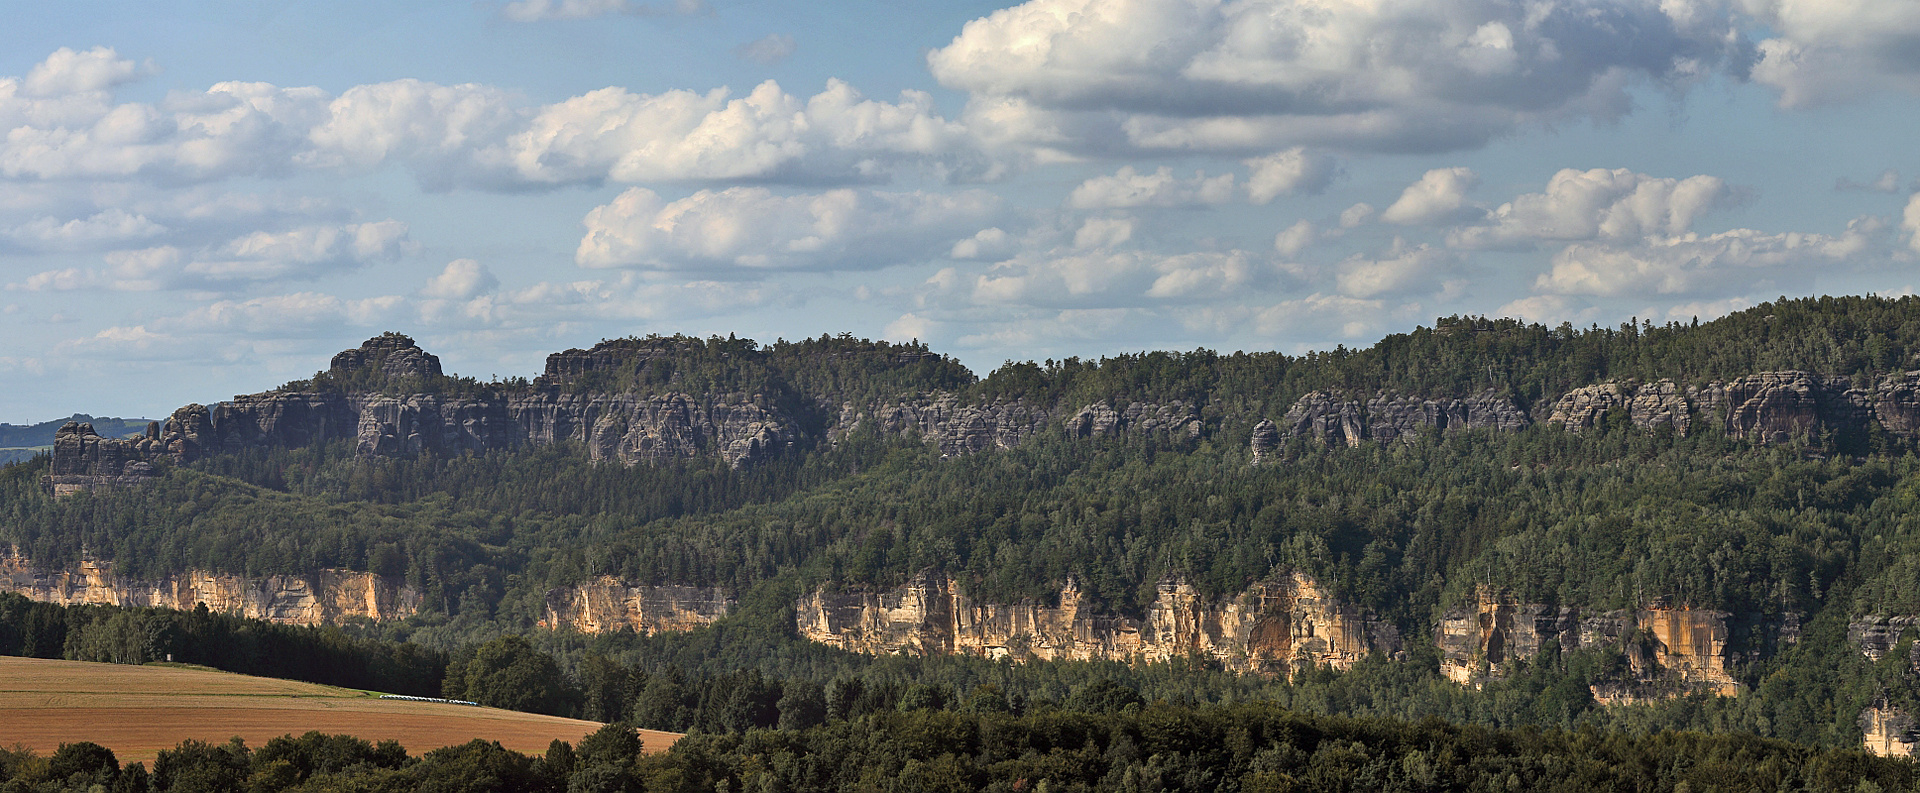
(1496, 523)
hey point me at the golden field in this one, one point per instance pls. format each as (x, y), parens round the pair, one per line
(137, 711)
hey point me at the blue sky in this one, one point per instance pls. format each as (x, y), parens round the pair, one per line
(204, 199)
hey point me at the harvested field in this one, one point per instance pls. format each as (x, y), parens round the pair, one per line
(139, 710)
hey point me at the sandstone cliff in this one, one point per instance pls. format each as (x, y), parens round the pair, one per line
(1275, 626)
(607, 604)
(356, 399)
(1345, 421)
(1878, 635)
(1888, 731)
(1769, 407)
(83, 459)
(328, 598)
(1669, 649)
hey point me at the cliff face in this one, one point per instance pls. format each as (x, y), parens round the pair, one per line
(1338, 420)
(1650, 406)
(83, 459)
(1888, 731)
(1273, 627)
(328, 598)
(1769, 407)
(1877, 635)
(1669, 650)
(609, 604)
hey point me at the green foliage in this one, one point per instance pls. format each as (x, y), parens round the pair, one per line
(509, 673)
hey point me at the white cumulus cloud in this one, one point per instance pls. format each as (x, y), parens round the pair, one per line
(302, 253)
(1832, 50)
(1438, 198)
(747, 229)
(1420, 75)
(1129, 188)
(1613, 204)
(1295, 170)
(461, 279)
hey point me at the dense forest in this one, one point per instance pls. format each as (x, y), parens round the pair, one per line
(1815, 532)
(1236, 749)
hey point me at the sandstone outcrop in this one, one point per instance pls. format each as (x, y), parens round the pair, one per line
(1773, 407)
(1266, 438)
(1341, 421)
(1896, 404)
(607, 604)
(330, 597)
(82, 459)
(1275, 626)
(1650, 406)
(1769, 407)
(958, 428)
(1888, 731)
(1101, 420)
(1669, 649)
(391, 354)
(1878, 635)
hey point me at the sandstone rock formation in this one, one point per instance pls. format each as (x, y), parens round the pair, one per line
(1896, 404)
(1340, 421)
(1769, 407)
(327, 598)
(1773, 407)
(1878, 635)
(82, 459)
(608, 604)
(567, 404)
(1139, 418)
(955, 428)
(1888, 731)
(1273, 627)
(391, 354)
(1650, 406)
(1266, 438)
(1669, 649)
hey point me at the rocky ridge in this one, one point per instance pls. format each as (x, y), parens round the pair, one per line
(629, 427)
(1275, 626)
(329, 597)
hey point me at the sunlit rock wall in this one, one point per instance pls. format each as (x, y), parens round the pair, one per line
(327, 598)
(1272, 627)
(608, 604)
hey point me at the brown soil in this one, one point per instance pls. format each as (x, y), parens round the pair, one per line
(137, 711)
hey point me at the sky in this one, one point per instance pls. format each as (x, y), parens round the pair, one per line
(204, 199)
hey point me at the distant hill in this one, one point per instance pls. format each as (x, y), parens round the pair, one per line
(30, 435)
